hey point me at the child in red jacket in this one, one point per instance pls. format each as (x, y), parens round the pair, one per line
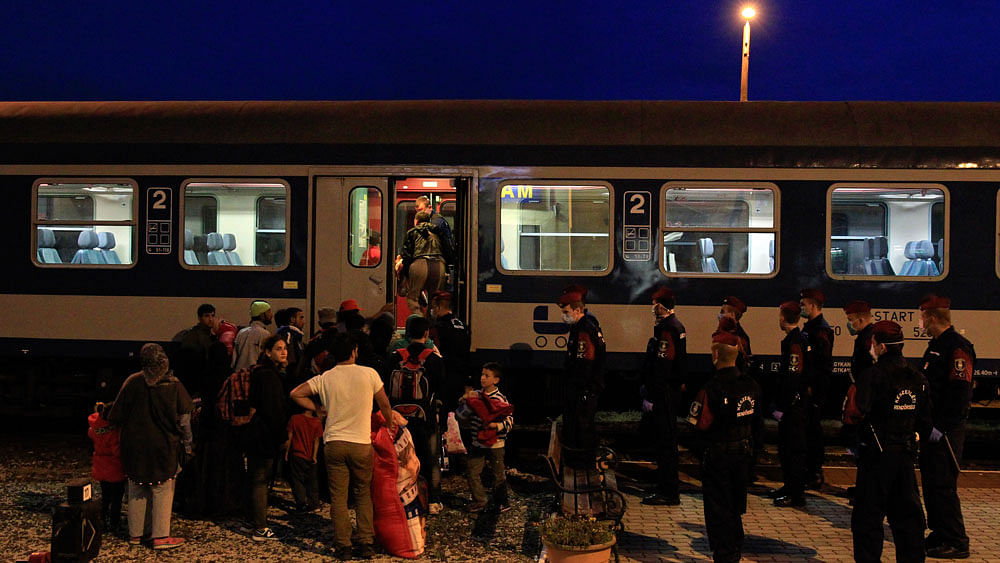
(107, 465)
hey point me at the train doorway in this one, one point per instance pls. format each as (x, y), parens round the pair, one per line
(359, 227)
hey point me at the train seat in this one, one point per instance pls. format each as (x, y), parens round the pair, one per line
(106, 242)
(47, 253)
(939, 254)
(189, 255)
(879, 250)
(770, 253)
(88, 253)
(868, 264)
(216, 257)
(707, 249)
(229, 247)
(920, 261)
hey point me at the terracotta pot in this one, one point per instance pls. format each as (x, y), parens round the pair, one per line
(600, 553)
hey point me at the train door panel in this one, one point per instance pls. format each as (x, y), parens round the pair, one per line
(351, 258)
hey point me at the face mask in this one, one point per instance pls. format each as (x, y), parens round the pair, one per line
(920, 323)
(720, 315)
(567, 318)
(804, 314)
(850, 329)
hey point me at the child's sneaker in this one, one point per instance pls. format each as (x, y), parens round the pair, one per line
(167, 543)
(265, 534)
(435, 508)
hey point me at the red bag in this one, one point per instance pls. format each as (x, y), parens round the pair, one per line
(398, 509)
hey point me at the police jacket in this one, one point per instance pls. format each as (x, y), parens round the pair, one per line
(861, 359)
(422, 242)
(948, 365)
(792, 372)
(665, 362)
(725, 410)
(585, 353)
(894, 402)
(820, 363)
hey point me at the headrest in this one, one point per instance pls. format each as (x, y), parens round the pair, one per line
(706, 246)
(908, 250)
(214, 242)
(869, 249)
(46, 238)
(923, 250)
(881, 247)
(229, 242)
(106, 241)
(188, 239)
(87, 240)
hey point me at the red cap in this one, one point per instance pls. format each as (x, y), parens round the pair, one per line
(792, 306)
(665, 296)
(441, 295)
(567, 298)
(727, 324)
(887, 332)
(576, 288)
(858, 306)
(935, 302)
(814, 294)
(735, 303)
(350, 305)
(726, 333)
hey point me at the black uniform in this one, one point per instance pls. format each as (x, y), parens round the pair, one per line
(724, 412)
(790, 400)
(664, 371)
(861, 360)
(745, 354)
(893, 401)
(585, 352)
(948, 365)
(820, 364)
(452, 338)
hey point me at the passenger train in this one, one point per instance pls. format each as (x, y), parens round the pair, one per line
(120, 218)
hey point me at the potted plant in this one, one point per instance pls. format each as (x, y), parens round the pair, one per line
(577, 540)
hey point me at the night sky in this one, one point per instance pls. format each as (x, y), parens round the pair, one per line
(680, 50)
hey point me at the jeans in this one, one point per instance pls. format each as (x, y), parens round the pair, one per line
(260, 470)
(149, 508)
(477, 459)
(348, 463)
(303, 481)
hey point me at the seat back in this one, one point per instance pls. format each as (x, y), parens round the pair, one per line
(47, 253)
(910, 259)
(880, 257)
(216, 257)
(106, 242)
(189, 255)
(923, 252)
(939, 254)
(868, 263)
(229, 246)
(88, 253)
(707, 249)
(770, 253)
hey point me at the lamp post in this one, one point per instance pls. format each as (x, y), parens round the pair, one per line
(747, 14)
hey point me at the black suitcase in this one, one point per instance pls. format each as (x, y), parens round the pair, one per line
(76, 531)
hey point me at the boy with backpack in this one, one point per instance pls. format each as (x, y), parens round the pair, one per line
(414, 386)
(488, 417)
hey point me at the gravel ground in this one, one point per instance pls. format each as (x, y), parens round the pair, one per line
(33, 473)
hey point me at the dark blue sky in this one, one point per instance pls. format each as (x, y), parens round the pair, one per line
(686, 49)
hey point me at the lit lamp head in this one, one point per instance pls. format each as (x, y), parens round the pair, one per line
(748, 12)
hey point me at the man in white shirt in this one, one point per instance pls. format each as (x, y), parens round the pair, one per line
(248, 342)
(346, 392)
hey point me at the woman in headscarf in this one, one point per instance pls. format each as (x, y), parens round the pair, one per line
(154, 412)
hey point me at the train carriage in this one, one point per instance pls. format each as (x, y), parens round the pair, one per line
(121, 218)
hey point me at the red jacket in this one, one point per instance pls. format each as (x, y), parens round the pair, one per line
(107, 464)
(489, 410)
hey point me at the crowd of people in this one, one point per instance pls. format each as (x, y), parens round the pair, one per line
(265, 403)
(894, 415)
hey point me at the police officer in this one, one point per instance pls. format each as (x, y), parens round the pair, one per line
(820, 336)
(948, 365)
(664, 377)
(452, 339)
(893, 403)
(790, 407)
(724, 412)
(585, 352)
(860, 326)
(734, 308)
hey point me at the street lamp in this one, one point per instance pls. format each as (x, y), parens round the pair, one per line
(748, 13)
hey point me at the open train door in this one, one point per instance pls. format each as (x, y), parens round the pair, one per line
(350, 259)
(449, 198)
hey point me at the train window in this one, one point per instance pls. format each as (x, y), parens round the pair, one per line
(365, 235)
(548, 227)
(235, 224)
(887, 231)
(719, 229)
(84, 223)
